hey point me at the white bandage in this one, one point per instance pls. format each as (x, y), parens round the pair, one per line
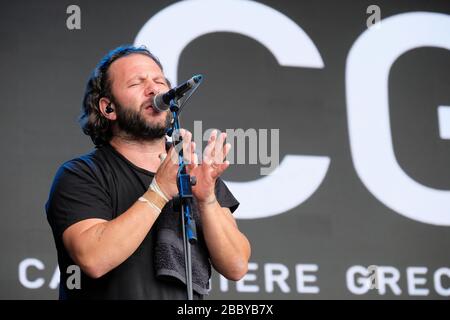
(151, 204)
(154, 187)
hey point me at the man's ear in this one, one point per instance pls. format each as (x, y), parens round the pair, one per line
(107, 109)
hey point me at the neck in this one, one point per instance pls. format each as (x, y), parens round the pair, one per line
(143, 154)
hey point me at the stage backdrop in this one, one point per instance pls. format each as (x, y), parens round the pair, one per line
(344, 175)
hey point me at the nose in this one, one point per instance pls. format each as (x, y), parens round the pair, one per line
(151, 88)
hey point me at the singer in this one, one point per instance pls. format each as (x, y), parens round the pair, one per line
(111, 210)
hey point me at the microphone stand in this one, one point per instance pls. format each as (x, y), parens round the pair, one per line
(183, 202)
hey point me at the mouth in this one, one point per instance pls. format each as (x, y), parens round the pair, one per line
(149, 106)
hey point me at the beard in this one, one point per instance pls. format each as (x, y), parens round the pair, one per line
(136, 127)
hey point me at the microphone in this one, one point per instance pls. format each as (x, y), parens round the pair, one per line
(161, 102)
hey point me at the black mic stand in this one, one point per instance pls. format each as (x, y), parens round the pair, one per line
(183, 202)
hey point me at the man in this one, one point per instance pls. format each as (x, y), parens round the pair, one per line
(124, 235)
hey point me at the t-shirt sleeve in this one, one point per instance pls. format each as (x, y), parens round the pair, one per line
(224, 196)
(77, 194)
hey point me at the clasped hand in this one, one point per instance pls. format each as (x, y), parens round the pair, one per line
(207, 171)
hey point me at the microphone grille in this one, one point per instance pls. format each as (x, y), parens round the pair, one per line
(159, 104)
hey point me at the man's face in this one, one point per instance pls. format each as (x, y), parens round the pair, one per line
(135, 80)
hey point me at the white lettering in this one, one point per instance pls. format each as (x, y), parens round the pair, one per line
(23, 277)
(438, 281)
(302, 278)
(276, 273)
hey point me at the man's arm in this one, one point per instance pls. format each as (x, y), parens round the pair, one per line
(229, 248)
(98, 246)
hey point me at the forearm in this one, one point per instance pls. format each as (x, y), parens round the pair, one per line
(105, 245)
(229, 248)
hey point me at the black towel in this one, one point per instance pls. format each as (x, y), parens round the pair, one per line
(169, 253)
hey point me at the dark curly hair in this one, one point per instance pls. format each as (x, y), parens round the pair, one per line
(92, 122)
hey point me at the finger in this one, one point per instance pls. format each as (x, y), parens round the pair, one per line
(193, 157)
(178, 141)
(218, 148)
(208, 152)
(195, 160)
(226, 150)
(182, 132)
(187, 137)
(172, 156)
(193, 153)
(213, 140)
(213, 135)
(177, 135)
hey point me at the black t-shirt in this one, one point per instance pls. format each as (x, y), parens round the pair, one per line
(104, 184)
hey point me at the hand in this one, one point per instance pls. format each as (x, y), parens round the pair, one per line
(167, 172)
(212, 166)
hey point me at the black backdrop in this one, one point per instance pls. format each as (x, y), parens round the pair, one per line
(306, 252)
